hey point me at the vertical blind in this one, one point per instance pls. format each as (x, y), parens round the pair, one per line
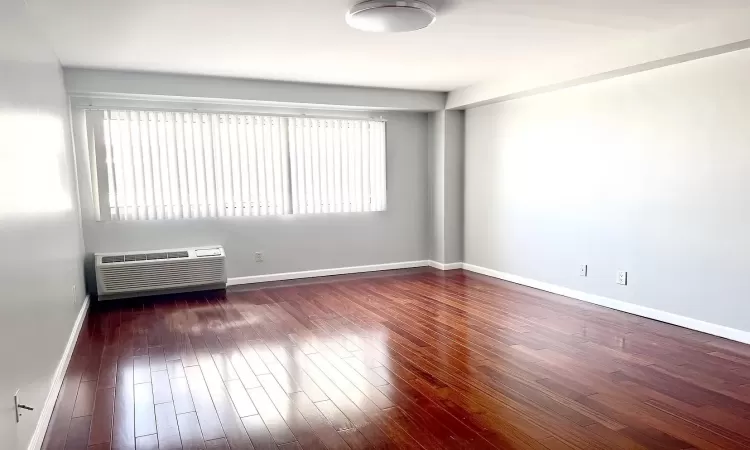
(150, 165)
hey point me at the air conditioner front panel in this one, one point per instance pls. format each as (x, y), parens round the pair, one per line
(121, 273)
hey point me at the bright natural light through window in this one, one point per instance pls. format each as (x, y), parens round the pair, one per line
(152, 165)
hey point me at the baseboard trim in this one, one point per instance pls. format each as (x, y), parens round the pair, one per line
(643, 311)
(442, 266)
(619, 305)
(57, 379)
(234, 281)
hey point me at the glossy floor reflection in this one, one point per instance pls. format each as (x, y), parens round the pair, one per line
(403, 359)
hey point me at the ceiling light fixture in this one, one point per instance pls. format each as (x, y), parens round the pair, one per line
(384, 16)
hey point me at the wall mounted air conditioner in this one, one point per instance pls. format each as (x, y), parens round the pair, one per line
(130, 274)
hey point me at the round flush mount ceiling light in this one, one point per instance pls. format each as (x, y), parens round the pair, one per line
(384, 16)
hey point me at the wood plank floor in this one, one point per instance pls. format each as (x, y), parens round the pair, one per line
(415, 359)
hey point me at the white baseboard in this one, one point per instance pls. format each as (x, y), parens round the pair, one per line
(57, 379)
(323, 272)
(643, 311)
(441, 266)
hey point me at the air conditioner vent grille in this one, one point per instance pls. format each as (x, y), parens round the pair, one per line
(112, 259)
(143, 257)
(169, 274)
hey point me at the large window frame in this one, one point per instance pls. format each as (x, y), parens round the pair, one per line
(316, 170)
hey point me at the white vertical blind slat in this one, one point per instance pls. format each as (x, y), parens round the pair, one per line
(111, 173)
(194, 165)
(190, 185)
(365, 137)
(266, 170)
(253, 169)
(336, 165)
(261, 166)
(165, 164)
(234, 140)
(226, 169)
(316, 172)
(234, 165)
(156, 179)
(174, 165)
(330, 166)
(138, 183)
(129, 177)
(272, 156)
(218, 174)
(323, 169)
(208, 157)
(178, 169)
(309, 179)
(286, 176)
(146, 173)
(383, 173)
(196, 121)
(375, 165)
(294, 170)
(243, 165)
(345, 184)
(278, 176)
(301, 166)
(266, 158)
(373, 149)
(353, 174)
(118, 123)
(357, 141)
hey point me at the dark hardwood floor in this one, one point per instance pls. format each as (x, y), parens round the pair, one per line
(402, 359)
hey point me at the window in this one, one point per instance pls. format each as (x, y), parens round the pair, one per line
(149, 165)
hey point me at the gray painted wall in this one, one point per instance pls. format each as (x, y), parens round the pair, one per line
(445, 185)
(263, 92)
(454, 186)
(296, 243)
(436, 186)
(40, 236)
(646, 173)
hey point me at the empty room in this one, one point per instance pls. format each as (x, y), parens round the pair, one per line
(371, 224)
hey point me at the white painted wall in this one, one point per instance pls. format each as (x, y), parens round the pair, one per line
(649, 173)
(711, 36)
(40, 233)
(301, 242)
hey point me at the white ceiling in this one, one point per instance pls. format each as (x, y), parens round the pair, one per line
(308, 40)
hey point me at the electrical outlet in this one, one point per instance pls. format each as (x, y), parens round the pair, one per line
(622, 277)
(259, 257)
(583, 270)
(75, 294)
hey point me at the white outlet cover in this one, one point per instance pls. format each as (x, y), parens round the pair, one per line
(622, 277)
